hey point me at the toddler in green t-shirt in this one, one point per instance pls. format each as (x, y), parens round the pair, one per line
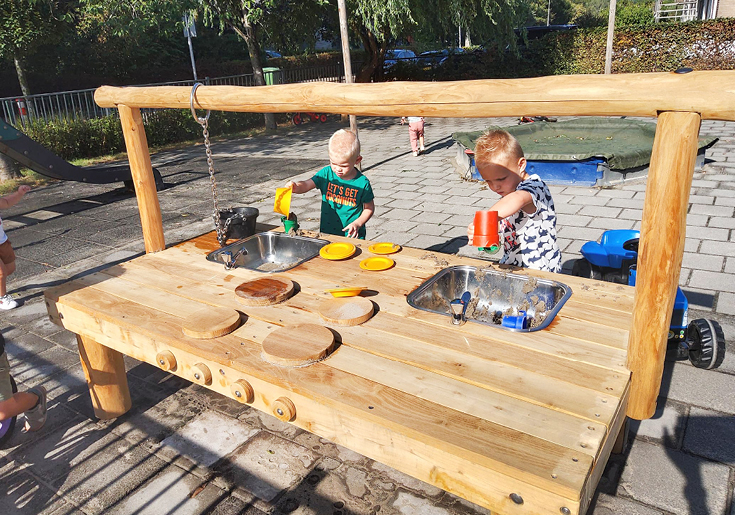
(347, 197)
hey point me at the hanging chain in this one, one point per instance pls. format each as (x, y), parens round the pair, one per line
(204, 122)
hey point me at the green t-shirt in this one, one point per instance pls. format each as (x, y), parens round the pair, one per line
(342, 201)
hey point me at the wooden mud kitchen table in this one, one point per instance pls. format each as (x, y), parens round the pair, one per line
(520, 423)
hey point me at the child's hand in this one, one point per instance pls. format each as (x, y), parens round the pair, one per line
(403, 120)
(24, 189)
(471, 232)
(352, 229)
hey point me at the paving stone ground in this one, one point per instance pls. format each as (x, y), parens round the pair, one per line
(185, 450)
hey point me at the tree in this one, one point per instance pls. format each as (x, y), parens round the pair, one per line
(378, 23)
(249, 17)
(9, 169)
(27, 24)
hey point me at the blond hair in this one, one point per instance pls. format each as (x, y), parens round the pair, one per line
(497, 144)
(345, 144)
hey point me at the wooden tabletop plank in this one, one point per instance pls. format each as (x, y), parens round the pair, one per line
(395, 288)
(535, 419)
(511, 452)
(560, 428)
(443, 334)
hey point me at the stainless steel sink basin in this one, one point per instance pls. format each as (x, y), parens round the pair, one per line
(268, 252)
(493, 294)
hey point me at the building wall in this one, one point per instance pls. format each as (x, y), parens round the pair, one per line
(726, 9)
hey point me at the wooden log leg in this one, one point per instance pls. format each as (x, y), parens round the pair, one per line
(660, 252)
(106, 378)
(142, 173)
(621, 442)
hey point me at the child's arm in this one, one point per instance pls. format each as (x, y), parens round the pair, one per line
(301, 186)
(12, 199)
(514, 202)
(507, 206)
(368, 208)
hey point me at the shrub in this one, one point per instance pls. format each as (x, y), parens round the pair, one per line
(72, 139)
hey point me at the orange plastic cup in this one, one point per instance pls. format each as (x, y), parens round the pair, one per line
(486, 231)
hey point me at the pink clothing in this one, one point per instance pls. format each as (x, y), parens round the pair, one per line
(415, 130)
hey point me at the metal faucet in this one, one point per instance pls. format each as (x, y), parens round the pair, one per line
(229, 260)
(457, 308)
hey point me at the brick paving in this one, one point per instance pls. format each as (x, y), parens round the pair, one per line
(185, 450)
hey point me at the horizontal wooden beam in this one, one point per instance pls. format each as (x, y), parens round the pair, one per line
(709, 93)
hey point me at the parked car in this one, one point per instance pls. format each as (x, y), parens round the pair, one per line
(434, 58)
(272, 54)
(398, 54)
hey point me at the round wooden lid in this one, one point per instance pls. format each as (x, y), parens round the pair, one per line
(298, 345)
(264, 291)
(211, 322)
(346, 311)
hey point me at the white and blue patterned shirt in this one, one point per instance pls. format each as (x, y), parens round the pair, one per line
(529, 240)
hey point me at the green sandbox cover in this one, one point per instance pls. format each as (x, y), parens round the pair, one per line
(622, 142)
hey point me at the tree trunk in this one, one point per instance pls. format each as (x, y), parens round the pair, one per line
(251, 38)
(22, 79)
(373, 68)
(9, 169)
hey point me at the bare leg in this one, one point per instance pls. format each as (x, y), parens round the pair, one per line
(19, 403)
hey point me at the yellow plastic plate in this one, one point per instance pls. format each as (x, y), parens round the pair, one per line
(377, 264)
(282, 204)
(384, 248)
(347, 291)
(335, 251)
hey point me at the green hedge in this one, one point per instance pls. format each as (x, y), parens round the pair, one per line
(701, 45)
(103, 136)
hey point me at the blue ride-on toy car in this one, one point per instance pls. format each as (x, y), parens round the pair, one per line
(614, 258)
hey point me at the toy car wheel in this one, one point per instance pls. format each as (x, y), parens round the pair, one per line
(631, 245)
(297, 119)
(706, 343)
(583, 268)
(323, 118)
(7, 425)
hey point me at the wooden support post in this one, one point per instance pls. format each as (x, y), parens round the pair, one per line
(105, 372)
(661, 249)
(142, 172)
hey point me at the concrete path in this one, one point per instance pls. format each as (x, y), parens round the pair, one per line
(184, 450)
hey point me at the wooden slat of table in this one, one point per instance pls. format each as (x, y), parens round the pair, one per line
(511, 452)
(525, 384)
(443, 335)
(612, 303)
(550, 343)
(572, 432)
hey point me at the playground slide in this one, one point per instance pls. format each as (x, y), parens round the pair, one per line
(30, 154)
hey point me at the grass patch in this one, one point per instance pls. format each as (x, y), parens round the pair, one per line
(29, 177)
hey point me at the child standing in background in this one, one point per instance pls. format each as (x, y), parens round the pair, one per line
(415, 133)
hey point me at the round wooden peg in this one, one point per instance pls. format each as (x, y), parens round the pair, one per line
(242, 391)
(284, 409)
(347, 311)
(201, 374)
(166, 360)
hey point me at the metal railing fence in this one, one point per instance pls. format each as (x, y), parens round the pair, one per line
(80, 105)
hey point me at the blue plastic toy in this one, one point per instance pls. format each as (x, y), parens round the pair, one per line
(614, 258)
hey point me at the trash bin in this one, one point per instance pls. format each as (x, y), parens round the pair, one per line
(272, 75)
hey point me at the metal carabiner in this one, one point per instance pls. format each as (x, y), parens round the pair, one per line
(200, 121)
